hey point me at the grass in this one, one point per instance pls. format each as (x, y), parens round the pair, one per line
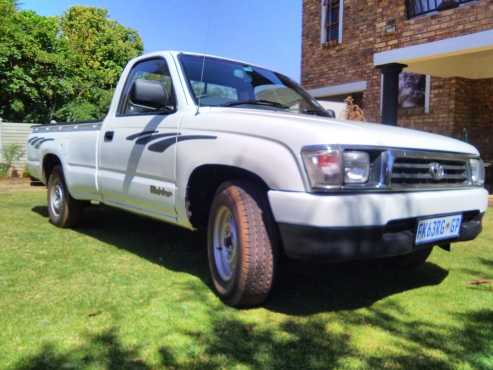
(123, 292)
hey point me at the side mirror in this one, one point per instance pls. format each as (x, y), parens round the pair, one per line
(149, 94)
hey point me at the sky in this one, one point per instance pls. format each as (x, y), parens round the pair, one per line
(262, 32)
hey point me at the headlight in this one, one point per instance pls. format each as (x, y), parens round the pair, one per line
(329, 167)
(477, 171)
(356, 167)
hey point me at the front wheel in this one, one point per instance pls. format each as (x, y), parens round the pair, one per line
(241, 244)
(63, 210)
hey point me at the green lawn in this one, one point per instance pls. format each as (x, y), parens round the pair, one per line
(125, 292)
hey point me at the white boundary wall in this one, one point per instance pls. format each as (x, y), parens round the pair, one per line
(15, 133)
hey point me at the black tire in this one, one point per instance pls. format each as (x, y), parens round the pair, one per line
(253, 242)
(63, 210)
(409, 261)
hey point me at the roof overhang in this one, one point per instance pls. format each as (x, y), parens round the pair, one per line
(468, 56)
(334, 90)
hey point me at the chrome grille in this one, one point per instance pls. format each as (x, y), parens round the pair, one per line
(429, 172)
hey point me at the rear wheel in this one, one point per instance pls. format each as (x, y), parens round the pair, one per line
(63, 210)
(241, 244)
(410, 261)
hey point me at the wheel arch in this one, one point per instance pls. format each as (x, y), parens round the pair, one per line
(203, 183)
(50, 161)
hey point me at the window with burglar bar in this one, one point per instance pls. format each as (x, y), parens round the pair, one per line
(420, 7)
(331, 21)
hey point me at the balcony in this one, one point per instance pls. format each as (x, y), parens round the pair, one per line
(420, 7)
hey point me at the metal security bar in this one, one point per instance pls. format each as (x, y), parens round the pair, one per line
(420, 7)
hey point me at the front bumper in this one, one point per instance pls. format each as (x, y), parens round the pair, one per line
(357, 243)
(361, 226)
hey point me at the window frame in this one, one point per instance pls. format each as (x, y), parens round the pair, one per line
(432, 7)
(124, 92)
(325, 18)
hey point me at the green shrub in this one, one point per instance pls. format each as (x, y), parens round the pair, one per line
(10, 154)
(4, 169)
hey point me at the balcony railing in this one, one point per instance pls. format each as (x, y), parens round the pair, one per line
(420, 7)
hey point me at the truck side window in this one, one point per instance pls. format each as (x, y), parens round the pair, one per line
(153, 71)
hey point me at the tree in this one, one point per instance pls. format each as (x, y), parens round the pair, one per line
(98, 49)
(62, 68)
(31, 69)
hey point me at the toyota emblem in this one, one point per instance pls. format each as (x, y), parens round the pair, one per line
(436, 171)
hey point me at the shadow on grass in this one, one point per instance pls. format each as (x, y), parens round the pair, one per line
(308, 344)
(294, 342)
(302, 287)
(311, 344)
(103, 350)
(307, 288)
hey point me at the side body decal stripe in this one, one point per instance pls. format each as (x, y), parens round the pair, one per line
(36, 142)
(161, 146)
(147, 139)
(41, 142)
(139, 134)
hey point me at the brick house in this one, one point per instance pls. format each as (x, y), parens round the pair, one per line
(360, 48)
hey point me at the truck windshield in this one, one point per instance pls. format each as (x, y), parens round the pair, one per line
(224, 83)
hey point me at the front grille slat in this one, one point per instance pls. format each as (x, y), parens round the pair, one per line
(410, 165)
(451, 167)
(426, 166)
(423, 176)
(416, 172)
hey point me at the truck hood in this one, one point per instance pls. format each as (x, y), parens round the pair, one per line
(299, 130)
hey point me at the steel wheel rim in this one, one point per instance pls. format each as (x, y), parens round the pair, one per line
(56, 199)
(225, 243)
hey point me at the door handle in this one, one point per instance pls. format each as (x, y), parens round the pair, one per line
(108, 135)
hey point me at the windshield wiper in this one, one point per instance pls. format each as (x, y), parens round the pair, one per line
(317, 113)
(255, 102)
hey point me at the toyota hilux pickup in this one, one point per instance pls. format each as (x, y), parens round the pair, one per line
(245, 154)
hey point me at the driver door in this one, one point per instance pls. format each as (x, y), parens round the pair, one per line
(133, 174)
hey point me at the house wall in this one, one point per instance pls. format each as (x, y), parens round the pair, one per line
(461, 108)
(364, 34)
(441, 109)
(469, 18)
(481, 125)
(347, 62)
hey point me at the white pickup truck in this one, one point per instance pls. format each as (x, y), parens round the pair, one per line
(246, 153)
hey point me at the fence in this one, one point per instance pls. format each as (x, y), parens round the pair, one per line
(15, 133)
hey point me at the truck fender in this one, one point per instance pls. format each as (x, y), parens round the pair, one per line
(272, 162)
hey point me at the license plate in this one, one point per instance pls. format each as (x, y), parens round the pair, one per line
(438, 228)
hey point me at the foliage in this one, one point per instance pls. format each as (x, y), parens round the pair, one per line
(4, 170)
(11, 153)
(105, 296)
(31, 68)
(61, 68)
